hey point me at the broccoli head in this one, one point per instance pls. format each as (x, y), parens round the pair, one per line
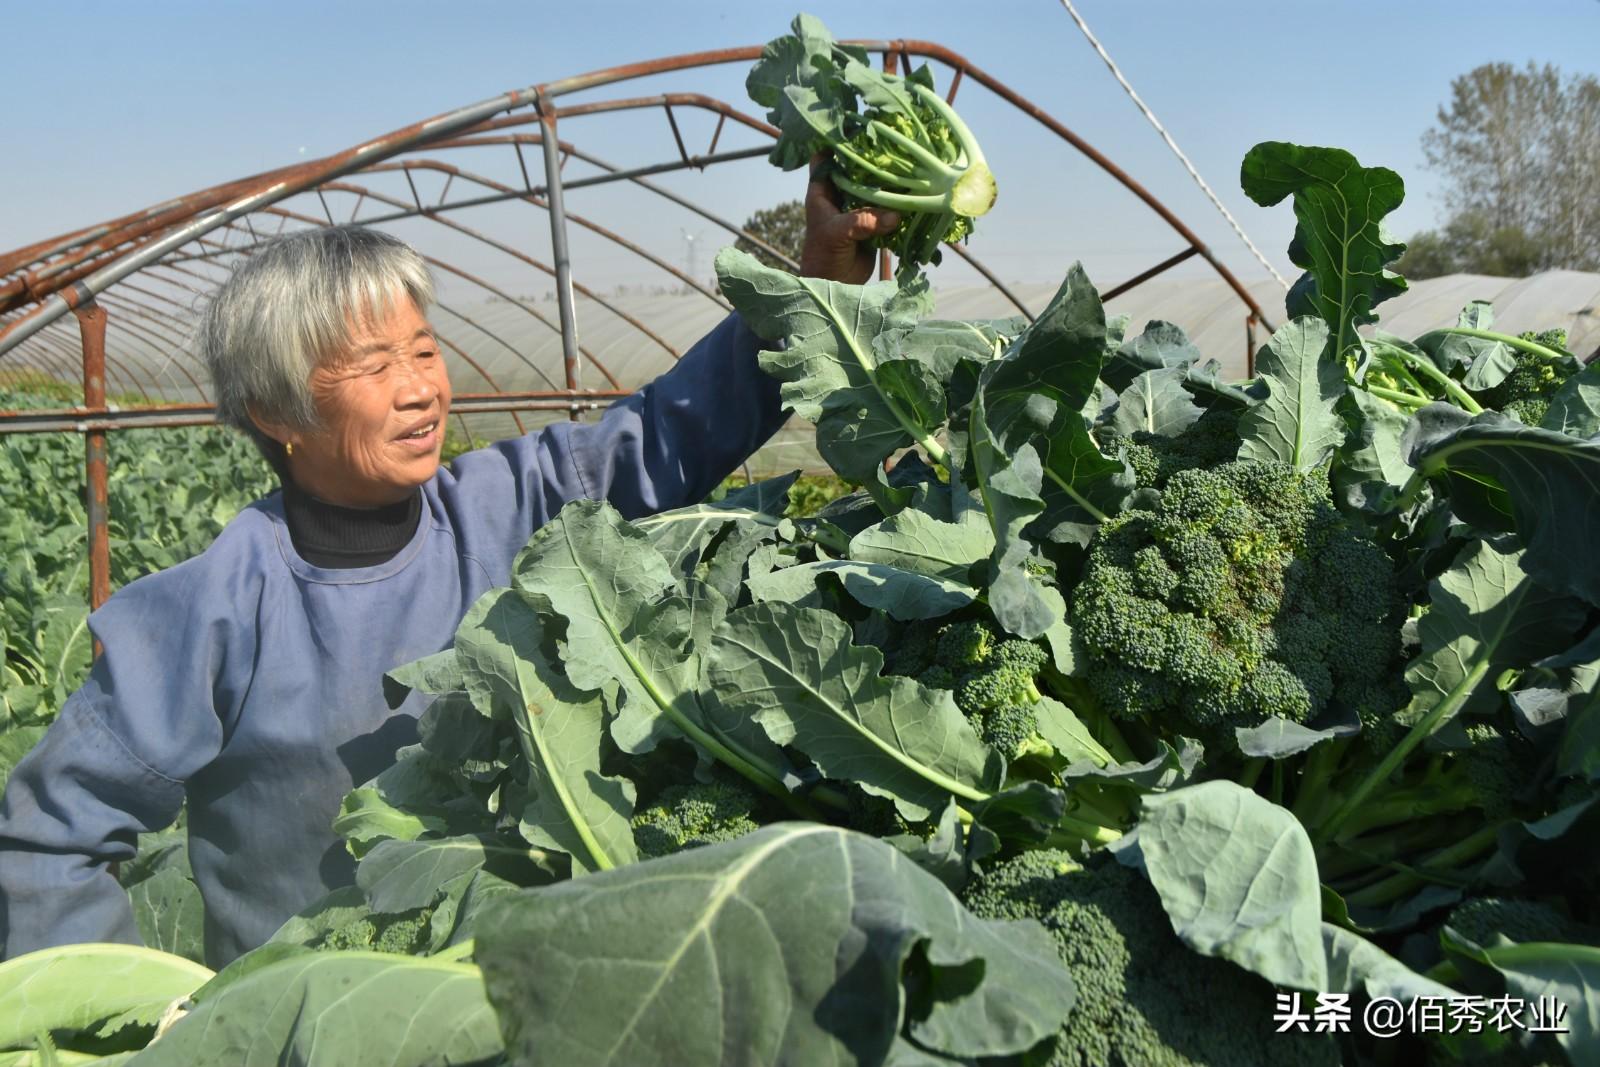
(1242, 595)
(1144, 998)
(1526, 392)
(1209, 441)
(686, 816)
(1482, 919)
(404, 933)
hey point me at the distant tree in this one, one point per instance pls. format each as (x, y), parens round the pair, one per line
(1518, 150)
(783, 227)
(1471, 243)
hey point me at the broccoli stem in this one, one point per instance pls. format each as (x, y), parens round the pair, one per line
(1530, 347)
(1410, 879)
(1345, 859)
(927, 159)
(910, 184)
(1394, 396)
(964, 137)
(1438, 713)
(1252, 771)
(1451, 387)
(1311, 798)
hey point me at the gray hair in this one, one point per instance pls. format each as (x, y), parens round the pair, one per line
(289, 307)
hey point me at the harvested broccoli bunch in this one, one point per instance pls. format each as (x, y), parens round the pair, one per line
(1210, 441)
(686, 816)
(1527, 391)
(403, 933)
(1144, 999)
(1244, 595)
(892, 140)
(1482, 919)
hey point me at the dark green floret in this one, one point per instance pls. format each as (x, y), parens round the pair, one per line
(1210, 441)
(1243, 595)
(1483, 919)
(1143, 998)
(686, 816)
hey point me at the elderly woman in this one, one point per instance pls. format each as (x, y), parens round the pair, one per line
(248, 680)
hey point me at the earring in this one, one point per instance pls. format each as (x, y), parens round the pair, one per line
(288, 449)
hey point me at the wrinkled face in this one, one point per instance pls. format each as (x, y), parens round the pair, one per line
(382, 403)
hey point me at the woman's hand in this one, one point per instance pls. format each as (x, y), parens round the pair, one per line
(833, 248)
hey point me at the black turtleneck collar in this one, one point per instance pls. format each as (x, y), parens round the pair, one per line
(327, 535)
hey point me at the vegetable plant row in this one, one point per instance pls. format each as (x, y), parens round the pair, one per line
(1121, 707)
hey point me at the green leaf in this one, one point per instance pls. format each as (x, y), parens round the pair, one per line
(808, 107)
(399, 876)
(571, 805)
(1156, 402)
(916, 541)
(761, 952)
(77, 987)
(169, 912)
(1296, 423)
(625, 629)
(1058, 356)
(1568, 974)
(1356, 965)
(1238, 879)
(903, 594)
(1371, 469)
(795, 672)
(1485, 614)
(683, 534)
(1486, 361)
(1339, 207)
(1067, 734)
(827, 365)
(1162, 346)
(1550, 485)
(355, 1009)
(1575, 409)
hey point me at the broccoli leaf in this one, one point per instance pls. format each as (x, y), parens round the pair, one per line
(795, 671)
(756, 953)
(1547, 482)
(1296, 423)
(827, 366)
(1156, 402)
(1340, 239)
(356, 1009)
(1486, 613)
(1371, 470)
(1356, 965)
(1162, 346)
(915, 541)
(76, 987)
(1575, 409)
(903, 594)
(626, 629)
(401, 876)
(1542, 972)
(1487, 362)
(571, 806)
(683, 534)
(1237, 877)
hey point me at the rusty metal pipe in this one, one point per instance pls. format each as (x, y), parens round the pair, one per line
(92, 326)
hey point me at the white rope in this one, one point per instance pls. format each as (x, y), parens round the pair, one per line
(1165, 136)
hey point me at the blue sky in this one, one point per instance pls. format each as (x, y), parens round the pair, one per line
(113, 107)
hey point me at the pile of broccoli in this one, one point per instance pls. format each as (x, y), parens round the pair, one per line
(686, 816)
(1242, 595)
(1144, 999)
(994, 678)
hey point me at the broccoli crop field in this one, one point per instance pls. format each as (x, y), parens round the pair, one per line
(171, 492)
(1123, 716)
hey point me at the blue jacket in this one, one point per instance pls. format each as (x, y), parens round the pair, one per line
(249, 682)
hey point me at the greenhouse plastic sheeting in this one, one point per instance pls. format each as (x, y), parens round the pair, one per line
(520, 353)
